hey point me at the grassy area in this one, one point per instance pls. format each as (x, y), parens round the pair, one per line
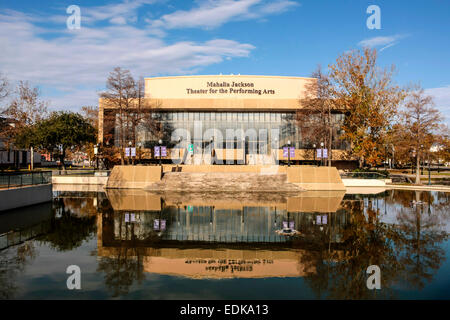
(425, 172)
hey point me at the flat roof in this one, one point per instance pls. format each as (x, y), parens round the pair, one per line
(228, 76)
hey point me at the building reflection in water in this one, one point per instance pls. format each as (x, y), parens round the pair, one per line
(219, 235)
(234, 236)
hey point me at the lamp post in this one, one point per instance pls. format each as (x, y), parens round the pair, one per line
(393, 158)
(314, 147)
(129, 146)
(429, 170)
(421, 167)
(160, 143)
(31, 158)
(96, 154)
(385, 157)
(321, 159)
(289, 152)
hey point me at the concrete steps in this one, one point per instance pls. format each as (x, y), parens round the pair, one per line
(219, 181)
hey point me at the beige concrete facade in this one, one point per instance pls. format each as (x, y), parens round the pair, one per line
(315, 178)
(229, 92)
(133, 177)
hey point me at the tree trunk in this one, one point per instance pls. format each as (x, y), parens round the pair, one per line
(417, 169)
(330, 146)
(63, 156)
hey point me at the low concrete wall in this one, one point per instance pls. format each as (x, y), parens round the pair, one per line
(300, 177)
(87, 180)
(79, 187)
(315, 178)
(133, 177)
(419, 187)
(364, 182)
(25, 196)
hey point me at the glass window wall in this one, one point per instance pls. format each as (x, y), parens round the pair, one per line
(256, 126)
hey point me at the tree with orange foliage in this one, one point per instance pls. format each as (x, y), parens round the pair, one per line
(370, 101)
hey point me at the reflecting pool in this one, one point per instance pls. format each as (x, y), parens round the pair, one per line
(141, 245)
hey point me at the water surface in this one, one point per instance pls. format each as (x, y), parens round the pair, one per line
(141, 245)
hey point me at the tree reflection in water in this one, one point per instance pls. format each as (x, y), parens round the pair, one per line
(418, 241)
(12, 262)
(125, 266)
(408, 252)
(72, 223)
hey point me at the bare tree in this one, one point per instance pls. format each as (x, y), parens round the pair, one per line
(128, 109)
(419, 120)
(120, 93)
(314, 118)
(4, 87)
(90, 113)
(26, 109)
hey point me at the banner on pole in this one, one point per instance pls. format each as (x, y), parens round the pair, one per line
(292, 152)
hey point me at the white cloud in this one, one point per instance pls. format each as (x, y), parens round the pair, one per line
(385, 42)
(74, 59)
(441, 98)
(122, 12)
(211, 14)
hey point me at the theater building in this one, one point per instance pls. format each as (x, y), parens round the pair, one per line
(225, 119)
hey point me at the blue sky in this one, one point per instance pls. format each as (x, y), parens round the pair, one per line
(163, 37)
